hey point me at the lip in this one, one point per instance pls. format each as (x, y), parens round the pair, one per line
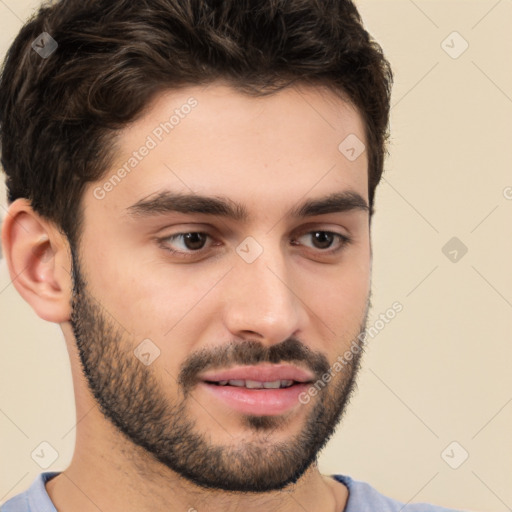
(261, 373)
(258, 402)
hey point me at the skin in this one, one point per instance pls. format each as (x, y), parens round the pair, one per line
(269, 154)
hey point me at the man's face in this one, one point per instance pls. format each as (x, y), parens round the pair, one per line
(204, 357)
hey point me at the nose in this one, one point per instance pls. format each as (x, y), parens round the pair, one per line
(261, 302)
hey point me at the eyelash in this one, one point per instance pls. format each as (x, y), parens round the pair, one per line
(344, 241)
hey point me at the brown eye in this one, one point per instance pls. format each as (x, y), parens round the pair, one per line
(324, 240)
(191, 242)
(194, 241)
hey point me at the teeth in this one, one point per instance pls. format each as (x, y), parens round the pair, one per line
(254, 384)
(237, 383)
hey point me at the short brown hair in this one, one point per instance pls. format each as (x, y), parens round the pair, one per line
(60, 115)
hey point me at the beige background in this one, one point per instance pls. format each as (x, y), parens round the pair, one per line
(440, 371)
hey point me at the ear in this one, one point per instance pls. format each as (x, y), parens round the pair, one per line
(39, 261)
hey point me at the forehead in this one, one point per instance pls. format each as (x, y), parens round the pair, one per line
(258, 150)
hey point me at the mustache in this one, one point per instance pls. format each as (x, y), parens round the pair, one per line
(249, 352)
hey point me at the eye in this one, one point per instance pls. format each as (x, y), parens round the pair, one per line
(324, 240)
(193, 241)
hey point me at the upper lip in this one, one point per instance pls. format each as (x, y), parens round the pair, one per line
(259, 373)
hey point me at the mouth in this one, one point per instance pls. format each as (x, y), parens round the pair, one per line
(265, 390)
(253, 376)
(254, 384)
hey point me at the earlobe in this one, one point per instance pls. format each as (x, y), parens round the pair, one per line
(38, 259)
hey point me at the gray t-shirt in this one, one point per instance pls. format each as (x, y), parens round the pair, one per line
(362, 498)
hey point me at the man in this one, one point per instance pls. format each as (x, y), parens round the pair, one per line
(191, 187)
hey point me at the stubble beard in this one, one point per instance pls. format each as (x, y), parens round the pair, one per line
(130, 396)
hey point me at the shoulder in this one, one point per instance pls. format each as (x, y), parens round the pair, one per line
(33, 499)
(365, 498)
(18, 503)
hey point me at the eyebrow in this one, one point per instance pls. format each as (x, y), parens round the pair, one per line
(168, 202)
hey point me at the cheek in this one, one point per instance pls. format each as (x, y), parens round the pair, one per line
(342, 307)
(154, 301)
(138, 286)
(339, 299)
(173, 304)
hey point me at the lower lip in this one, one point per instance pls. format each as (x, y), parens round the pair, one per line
(261, 402)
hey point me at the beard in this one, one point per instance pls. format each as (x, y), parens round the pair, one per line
(131, 396)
